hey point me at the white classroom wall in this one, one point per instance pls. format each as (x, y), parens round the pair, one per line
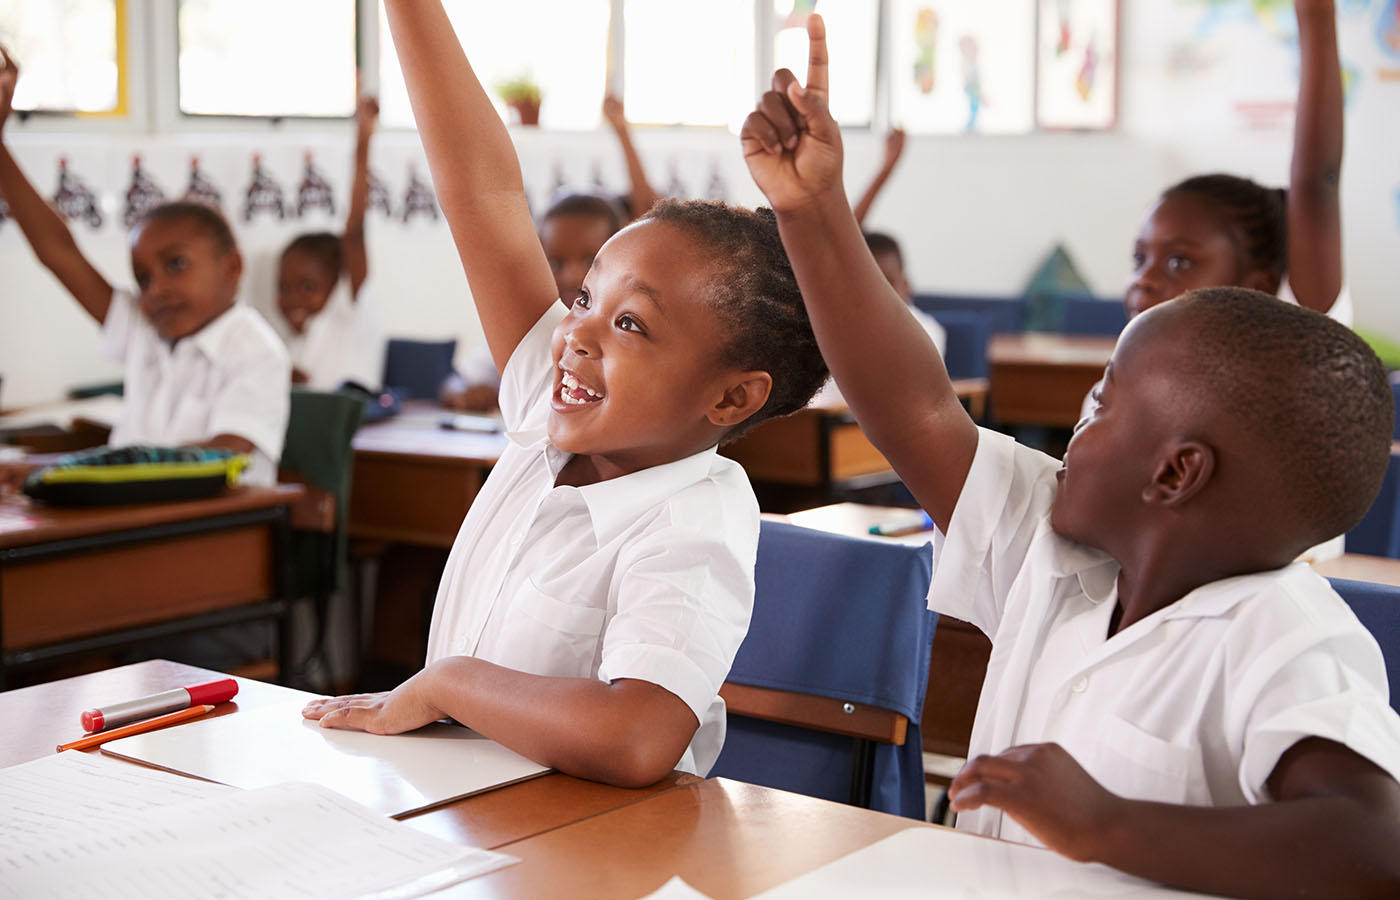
(975, 214)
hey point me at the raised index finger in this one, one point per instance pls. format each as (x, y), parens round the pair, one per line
(816, 55)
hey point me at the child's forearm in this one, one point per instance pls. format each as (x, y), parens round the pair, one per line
(629, 733)
(862, 207)
(1314, 207)
(889, 372)
(1326, 846)
(476, 174)
(353, 239)
(50, 238)
(641, 194)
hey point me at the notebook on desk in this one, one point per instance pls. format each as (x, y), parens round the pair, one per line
(392, 774)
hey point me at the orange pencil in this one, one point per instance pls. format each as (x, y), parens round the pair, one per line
(103, 737)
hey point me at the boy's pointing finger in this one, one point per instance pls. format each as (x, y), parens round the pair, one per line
(816, 55)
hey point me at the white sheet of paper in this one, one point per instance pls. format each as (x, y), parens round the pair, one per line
(676, 888)
(929, 863)
(392, 774)
(73, 793)
(285, 842)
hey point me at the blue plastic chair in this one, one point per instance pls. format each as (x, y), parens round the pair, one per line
(417, 368)
(1378, 532)
(1378, 608)
(1008, 314)
(835, 661)
(1395, 395)
(1090, 315)
(968, 333)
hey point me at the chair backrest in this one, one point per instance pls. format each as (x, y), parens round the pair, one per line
(1378, 532)
(1090, 315)
(418, 367)
(968, 334)
(1007, 313)
(838, 646)
(317, 451)
(1378, 608)
(1395, 395)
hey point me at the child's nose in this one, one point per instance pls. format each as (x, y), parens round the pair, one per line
(581, 340)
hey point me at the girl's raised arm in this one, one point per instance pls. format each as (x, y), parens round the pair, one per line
(1314, 206)
(477, 176)
(46, 232)
(353, 239)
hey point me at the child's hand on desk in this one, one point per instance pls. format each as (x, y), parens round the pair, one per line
(1046, 791)
(404, 708)
(791, 143)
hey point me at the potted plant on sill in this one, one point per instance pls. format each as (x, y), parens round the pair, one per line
(522, 95)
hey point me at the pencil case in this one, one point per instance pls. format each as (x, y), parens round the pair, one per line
(136, 474)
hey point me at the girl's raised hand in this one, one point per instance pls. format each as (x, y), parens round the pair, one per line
(791, 143)
(9, 77)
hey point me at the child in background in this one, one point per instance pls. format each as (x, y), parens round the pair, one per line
(1225, 230)
(572, 232)
(199, 368)
(321, 289)
(603, 578)
(1167, 694)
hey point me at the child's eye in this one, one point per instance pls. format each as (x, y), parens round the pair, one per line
(1178, 264)
(175, 264)
(628, 323)
(1138, 259)
(582, 300)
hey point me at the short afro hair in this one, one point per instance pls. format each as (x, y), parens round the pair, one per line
(878, 242)
(199, 215)
(324, 246)
(1255, 216)
(1304, 384)
(754, 291)
(585, 205)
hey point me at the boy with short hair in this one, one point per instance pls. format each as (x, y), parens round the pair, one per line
(1167, 693)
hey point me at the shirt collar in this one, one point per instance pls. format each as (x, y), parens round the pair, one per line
(615, 504)
(1096, 570)
(208, 339)
(1219, 597)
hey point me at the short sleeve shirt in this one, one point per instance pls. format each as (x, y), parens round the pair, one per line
(1194, 704)
(646, 576)
(230, 377)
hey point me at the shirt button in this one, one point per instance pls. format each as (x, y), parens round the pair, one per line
(1080, 684)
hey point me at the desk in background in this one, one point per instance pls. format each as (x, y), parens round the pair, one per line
(1042, 379)
(75, 580)
(414, 480)
(821, 447)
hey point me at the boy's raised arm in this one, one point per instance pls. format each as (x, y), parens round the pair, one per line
(477, 176)
(894, 148)
(46, 232)
(641, 194)
(353, 239)
(886, 366)
(1314, 206)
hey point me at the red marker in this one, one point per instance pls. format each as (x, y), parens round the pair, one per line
(216, 691)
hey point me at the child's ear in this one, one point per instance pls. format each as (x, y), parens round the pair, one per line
(745, 396)
(1182, 472)
(233, 268)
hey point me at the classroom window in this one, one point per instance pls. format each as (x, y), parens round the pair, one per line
(689, 65)
(559, 46)
(852, 36)
(69, 53)
(962, 68)
(266, 58)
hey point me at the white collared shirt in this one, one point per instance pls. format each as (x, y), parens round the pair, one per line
(1193, 704)
(647, 576)
(230, 377)
(342, 342)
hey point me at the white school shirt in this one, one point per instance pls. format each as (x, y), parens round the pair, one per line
(647, 576)
(1193, 704)
(342, 342)
(230, 377)
(935, 331)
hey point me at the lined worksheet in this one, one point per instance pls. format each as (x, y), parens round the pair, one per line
(83, 826)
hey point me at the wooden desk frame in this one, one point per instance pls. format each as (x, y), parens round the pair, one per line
(72, 642)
